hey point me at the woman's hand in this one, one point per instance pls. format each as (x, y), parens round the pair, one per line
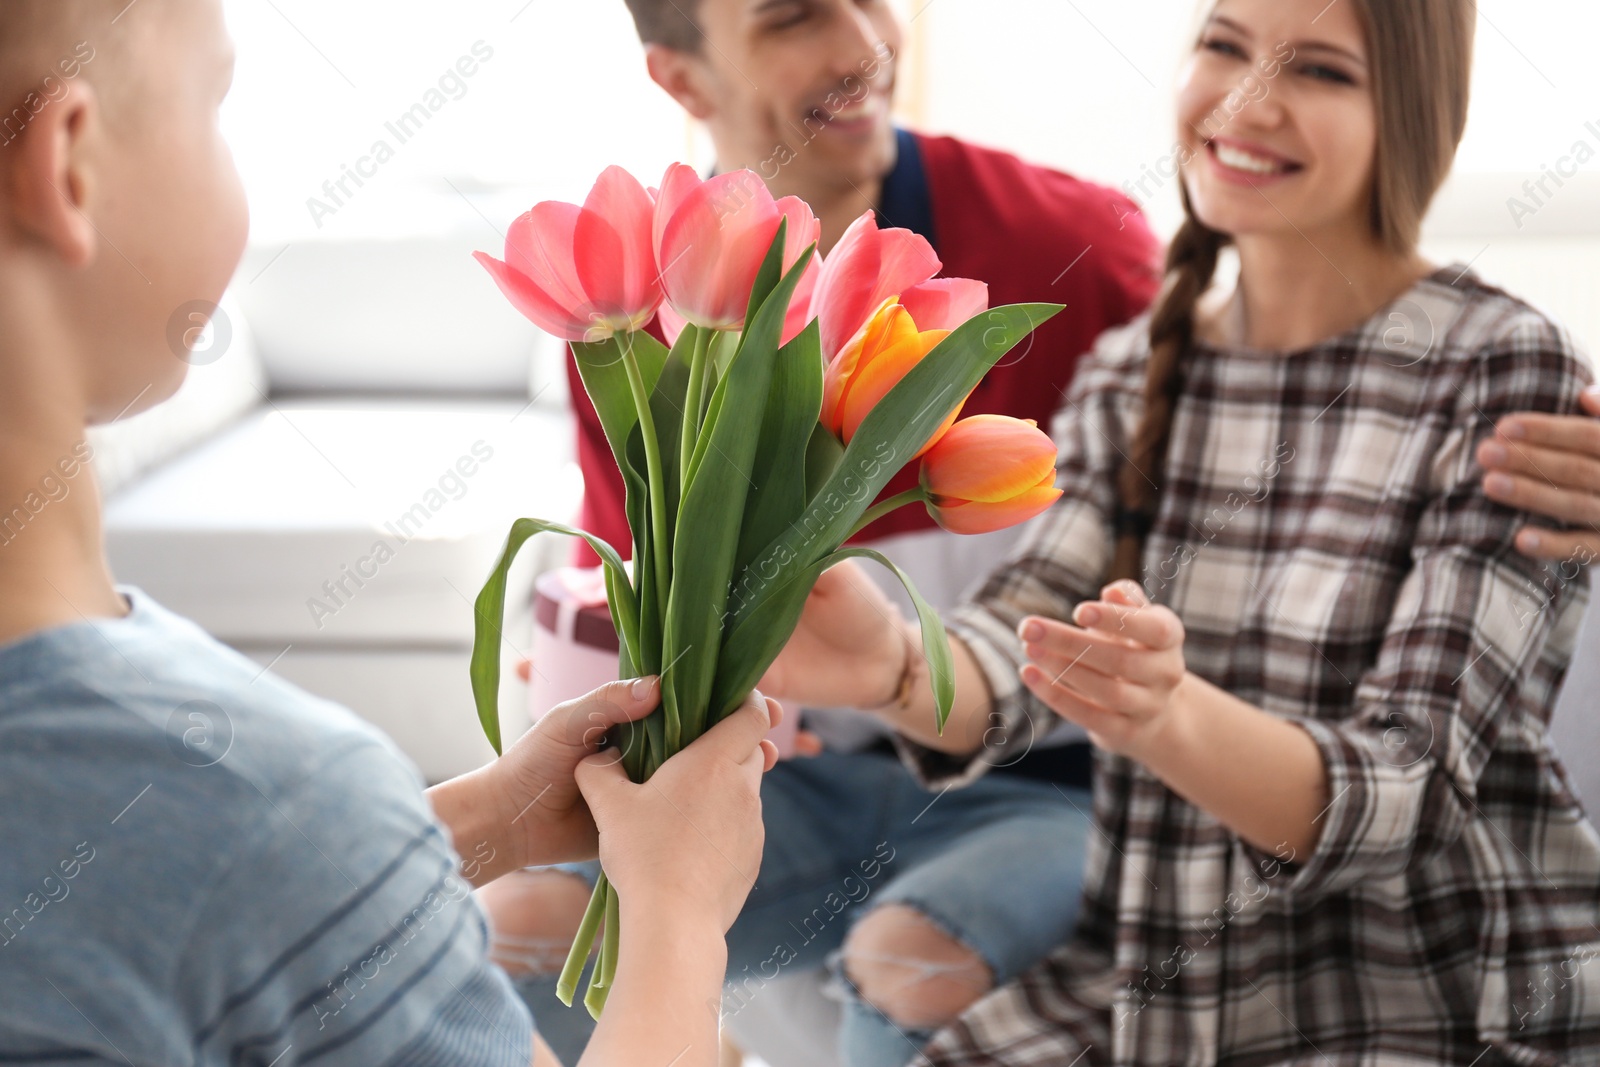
(849, 650)
(1115, 673)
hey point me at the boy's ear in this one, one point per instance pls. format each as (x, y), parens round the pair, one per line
(48, 176)
(680, 75)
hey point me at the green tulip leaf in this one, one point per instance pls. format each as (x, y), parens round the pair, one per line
(760, 634)
(490, 608)
(709, 517)
(794, 404)
(823, 453)
(893, 431)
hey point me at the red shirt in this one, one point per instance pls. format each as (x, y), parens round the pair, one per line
(1033, 234)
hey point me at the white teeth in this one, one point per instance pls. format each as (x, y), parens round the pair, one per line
(1240, 160)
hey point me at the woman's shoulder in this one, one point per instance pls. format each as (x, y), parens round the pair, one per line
(1123, 347)
(1462, 318)
(1116, 364)
(1492, 352)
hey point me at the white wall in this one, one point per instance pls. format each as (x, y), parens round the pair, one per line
(1082, 84)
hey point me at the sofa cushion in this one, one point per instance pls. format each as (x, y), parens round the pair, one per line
(341, 522)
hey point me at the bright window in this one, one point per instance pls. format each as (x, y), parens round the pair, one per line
(1085, 84)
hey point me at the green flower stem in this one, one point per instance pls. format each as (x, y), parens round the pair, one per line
(613, 931)
(595, 998)
(652, 460)
(578, 955)
(691, 402)
(918, 495)
(605, 968)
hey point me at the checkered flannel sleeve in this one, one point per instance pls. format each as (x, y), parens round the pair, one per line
(1459, 655)
(1063, 559)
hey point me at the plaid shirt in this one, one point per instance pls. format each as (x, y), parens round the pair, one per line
(1326, 541)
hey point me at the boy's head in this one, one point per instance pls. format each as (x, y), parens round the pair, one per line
(798, 88)
(119, 201)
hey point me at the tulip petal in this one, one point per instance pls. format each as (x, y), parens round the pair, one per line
(597, 254)
(712, 248)
(842, 366)
(973, 517)
(841, 372)
(614, 250)
(672, 323)
(989, 459)
(805, 230)
(881, 370)
(945, 303)
(867, 265)
(799, 316)
(905, 259)
(843, 301)
(539, 243)
(533, 302)
(679, 181)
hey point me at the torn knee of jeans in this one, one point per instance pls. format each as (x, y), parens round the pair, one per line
(907, 966)
(533, 916)
(530, 956)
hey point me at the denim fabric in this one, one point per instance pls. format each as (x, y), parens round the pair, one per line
(998, 865)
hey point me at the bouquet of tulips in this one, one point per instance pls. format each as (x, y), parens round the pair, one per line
(756, 444)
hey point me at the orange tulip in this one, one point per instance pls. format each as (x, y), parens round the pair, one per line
(989, 472)
(872, 363)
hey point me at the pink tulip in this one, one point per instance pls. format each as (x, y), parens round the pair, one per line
(583, 273)
(945, 303)
(710, 239)
(869, 266)
(989, 472)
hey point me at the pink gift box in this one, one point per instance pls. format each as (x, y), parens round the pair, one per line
(575, 645)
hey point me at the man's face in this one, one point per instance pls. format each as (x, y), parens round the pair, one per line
(801, 89)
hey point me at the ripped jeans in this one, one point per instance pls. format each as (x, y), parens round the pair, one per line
(998, 866)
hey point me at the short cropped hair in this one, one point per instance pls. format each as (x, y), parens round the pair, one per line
(50, 40)
(667, 22)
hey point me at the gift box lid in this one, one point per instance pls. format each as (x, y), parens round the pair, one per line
(570, 602)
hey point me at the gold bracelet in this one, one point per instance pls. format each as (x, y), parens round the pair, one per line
(901, 701)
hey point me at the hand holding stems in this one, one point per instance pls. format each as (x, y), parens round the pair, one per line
(1119, 673)
(524, 808)
(682, 850)
(1549, 464)
(806, 743)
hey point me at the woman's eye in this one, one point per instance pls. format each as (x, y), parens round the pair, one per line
(1223, 48)
(1328, 74)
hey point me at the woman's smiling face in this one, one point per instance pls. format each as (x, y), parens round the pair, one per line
(1276, 118)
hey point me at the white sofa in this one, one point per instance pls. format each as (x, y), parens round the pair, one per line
(342, 537)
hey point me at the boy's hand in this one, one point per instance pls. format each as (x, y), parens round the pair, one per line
(687, 843)
(1549, 464)
(805, 743)
(536, 773)
(1115, 674)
